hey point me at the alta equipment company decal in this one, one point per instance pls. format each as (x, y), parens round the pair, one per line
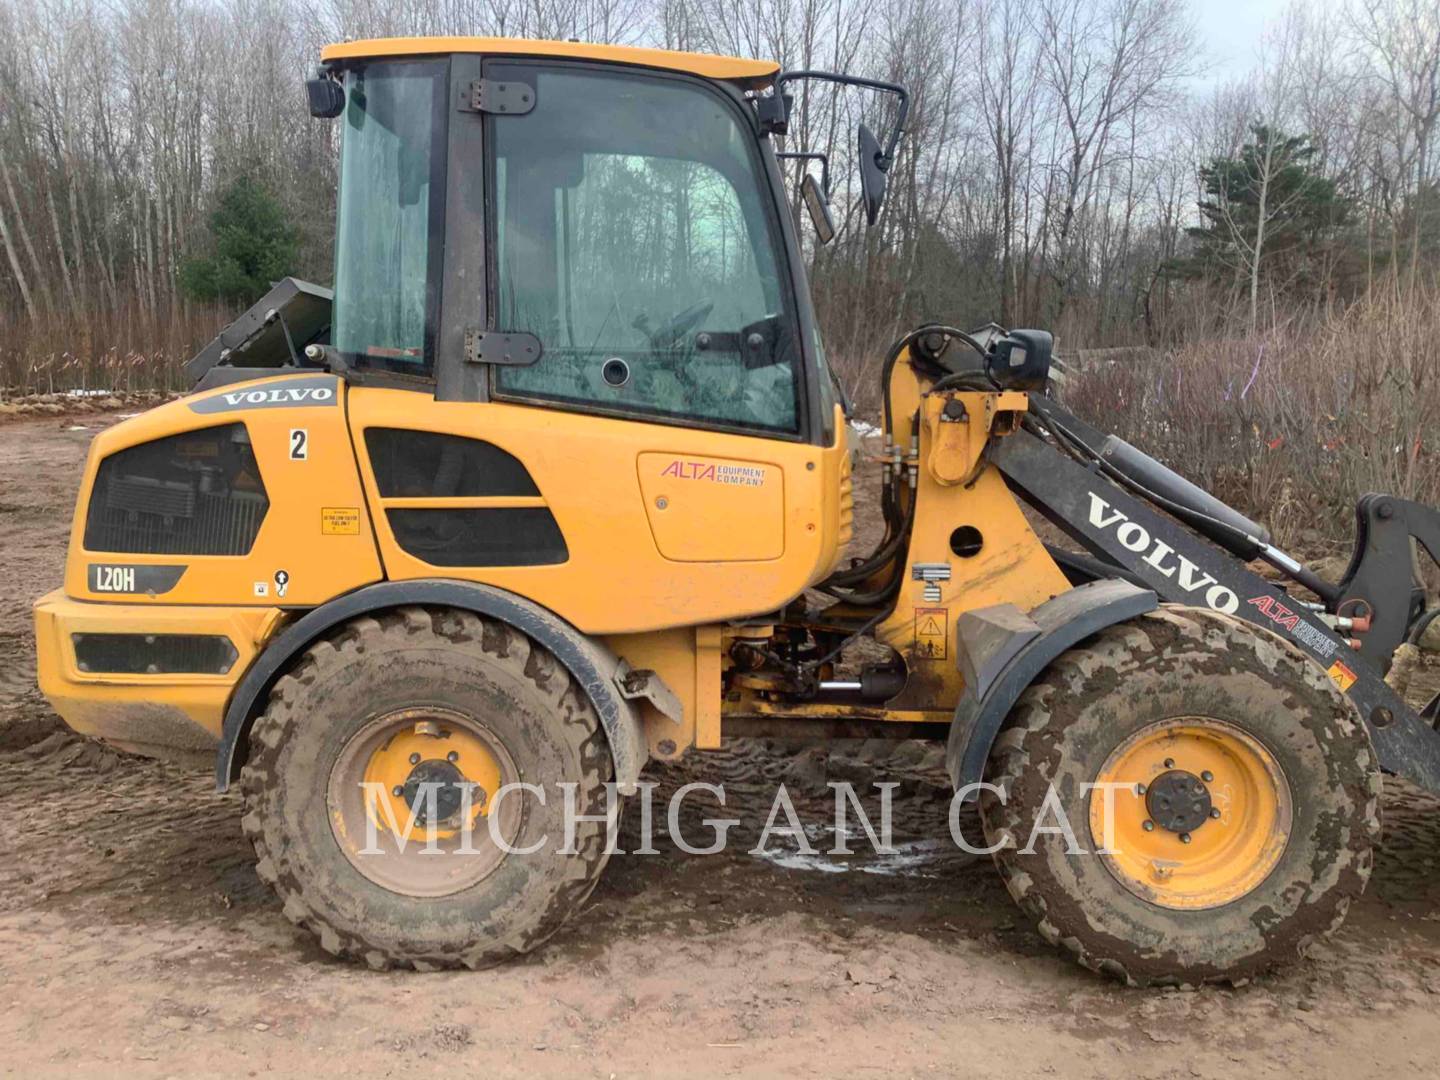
(717, 473)
(1299, 629)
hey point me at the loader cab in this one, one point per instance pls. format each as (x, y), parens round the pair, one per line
(588, 229)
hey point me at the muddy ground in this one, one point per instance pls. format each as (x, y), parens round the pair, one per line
(135, 937)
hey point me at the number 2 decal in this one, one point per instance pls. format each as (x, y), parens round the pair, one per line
(299, 444)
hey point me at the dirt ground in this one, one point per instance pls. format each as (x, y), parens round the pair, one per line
(135, 937)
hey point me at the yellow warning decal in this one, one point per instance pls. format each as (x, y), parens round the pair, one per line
(930, 635)
(340, 521)
(1341, 676)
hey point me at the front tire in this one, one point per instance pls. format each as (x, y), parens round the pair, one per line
(397, 700)
(1245, 812)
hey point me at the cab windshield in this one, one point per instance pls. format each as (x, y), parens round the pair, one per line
(389, 221)
(633, 238)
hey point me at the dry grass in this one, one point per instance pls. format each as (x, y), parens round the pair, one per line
(127, 351)
(1294, 424)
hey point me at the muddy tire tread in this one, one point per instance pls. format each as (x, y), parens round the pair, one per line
(1031, 721)
(577, 723)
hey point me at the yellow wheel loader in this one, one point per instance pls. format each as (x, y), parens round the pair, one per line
(557, 482)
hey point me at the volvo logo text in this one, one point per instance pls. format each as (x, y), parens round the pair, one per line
(1161, 557)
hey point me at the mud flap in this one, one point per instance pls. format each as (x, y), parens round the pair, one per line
(1002, 649)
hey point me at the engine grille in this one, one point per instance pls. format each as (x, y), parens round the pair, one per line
(197, 493)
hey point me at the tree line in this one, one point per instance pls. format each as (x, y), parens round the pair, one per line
(1067, 162)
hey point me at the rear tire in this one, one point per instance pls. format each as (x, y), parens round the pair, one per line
(1175, 683)
(475, 674)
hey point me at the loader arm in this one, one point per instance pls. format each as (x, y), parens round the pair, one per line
(1182, 568)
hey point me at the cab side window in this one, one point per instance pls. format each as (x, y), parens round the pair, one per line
(632, 239)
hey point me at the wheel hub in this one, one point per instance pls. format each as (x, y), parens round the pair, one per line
(380, 798)
(449, 785)
(1208, 817)
(1178, 801)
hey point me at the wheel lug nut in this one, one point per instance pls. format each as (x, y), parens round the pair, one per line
(452, 757)
(1184, 838)
(1214, 811)
(397, 791)
(1169, 763)
(1207, 776)
(1148, 826)
(414, 759)
(1140, 789)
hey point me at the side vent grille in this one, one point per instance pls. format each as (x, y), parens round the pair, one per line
(514, 527)
(197, 493)
(488, 536)
(428, 464)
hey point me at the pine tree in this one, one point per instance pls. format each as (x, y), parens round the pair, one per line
(254, 246)
(1268, 215)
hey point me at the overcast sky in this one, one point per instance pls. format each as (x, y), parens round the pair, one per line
(1230, 31)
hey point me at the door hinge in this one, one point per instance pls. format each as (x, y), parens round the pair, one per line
(501, 347)
(509, 98)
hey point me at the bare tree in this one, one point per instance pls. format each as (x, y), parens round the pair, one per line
(1403, 37)
(1102, 62)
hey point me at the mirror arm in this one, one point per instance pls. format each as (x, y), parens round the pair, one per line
(810, 155)
(897, 89)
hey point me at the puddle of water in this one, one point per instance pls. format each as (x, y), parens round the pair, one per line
(915, 858)
(798, 860)
(911, 858)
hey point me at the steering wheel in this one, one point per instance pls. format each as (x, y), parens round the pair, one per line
(676, 326)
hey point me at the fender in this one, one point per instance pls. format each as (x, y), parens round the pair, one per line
(1002, 649)
(593, 665)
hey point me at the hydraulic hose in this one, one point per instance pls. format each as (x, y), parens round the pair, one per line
(894, 536)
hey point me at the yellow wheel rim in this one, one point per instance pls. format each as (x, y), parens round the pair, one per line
(394, 772)
(1201, 815)
(414, 752)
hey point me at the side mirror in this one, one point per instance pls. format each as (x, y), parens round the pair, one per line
(327, 97)
(872, 175)
(817, 205)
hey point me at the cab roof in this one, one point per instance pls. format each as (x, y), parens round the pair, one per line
(751, 74)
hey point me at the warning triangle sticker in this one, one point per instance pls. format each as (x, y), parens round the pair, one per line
(931, 628)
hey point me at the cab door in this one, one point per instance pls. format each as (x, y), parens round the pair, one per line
(637, 355)
(636, 240)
